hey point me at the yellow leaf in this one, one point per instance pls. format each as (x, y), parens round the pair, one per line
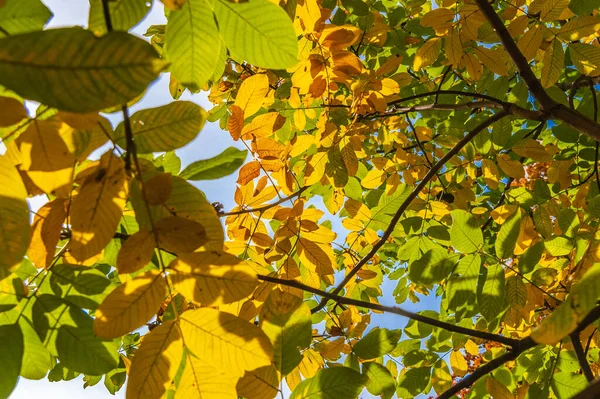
(427, 53)
(252, 93)
(14, 215)
(136, 252)
(490, 173)
(46, 156)
(248, 172)
(262, 383)
(97, 209)
(496, 389)
(130, 305)
(579, 27)
(225, 341)
(213, 278)
(180, 235)
(586, 58)
(11, 111)
(235, 124)
(531, 41)
(315, 257)
(503, 212)
(458, 364)
(473, 66)
(200, 380)
(453, 47)
(156, 362)
(439, 18)
(552, 9)
(158, 188)
(493, 59)
(263, 126)
(511, 167)
(311, 363)
(373, 179)
(553, 63)
(316, 168)
(46, 228)
(472, 348)
(531, 148)
(337, 37)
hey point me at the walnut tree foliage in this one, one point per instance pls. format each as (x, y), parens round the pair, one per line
(454, 141)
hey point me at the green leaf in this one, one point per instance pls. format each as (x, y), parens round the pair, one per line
(507, 237)
(23, 16)
(381, 382)
(11, 348)
(331, 383)
(413, 382)
(73, 70)
(586, 58)
(36, 358)
(124, 15)
(67, 333)
(286, 320)
(462, 286)
(558, 246)
(491, 295)
(531, 257)
(431, 268)
(465, 234)
(516, 292)
(85, 287)
(222, 165)
(567, 384)
(193, 43)
(377, 342)
(164, 128)
(356, 7)
(258, 31)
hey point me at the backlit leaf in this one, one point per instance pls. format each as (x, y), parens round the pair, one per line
(329, 383)
(219, 166)
(465, 233)
(11, 346)
(124, 15)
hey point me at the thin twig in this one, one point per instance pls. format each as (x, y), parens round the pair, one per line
(265, 207)
(583, 363)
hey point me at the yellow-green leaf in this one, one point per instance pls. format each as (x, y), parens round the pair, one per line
(68, 68)
(579, 27)
(124, 14)
(553, 63)
(225, 341)
(130, 305)
(201, 380)
(586, 58)
(136, 252)
(164, 128)
(427, 53)
(23, 16)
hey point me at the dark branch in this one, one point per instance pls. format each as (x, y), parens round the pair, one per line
(583, 363)
(395, 310)
(430, 174)
(265, 207)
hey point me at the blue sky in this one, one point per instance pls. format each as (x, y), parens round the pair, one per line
(210, 142)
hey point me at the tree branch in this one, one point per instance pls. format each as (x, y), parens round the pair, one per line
(430, 174)
(583, 363)
(395, 310)
(265, 207)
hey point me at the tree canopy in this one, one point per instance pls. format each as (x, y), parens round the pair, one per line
(447, 149)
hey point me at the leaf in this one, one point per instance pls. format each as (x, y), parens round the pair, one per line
(130, 305)
(53, 67)
(217, 167)
(516, 292)
(248, 172)
(124, 15)
(465, 234)
(331, 383)
(67, 333)
(453, 47)
(97, 209)
(212, 278)
(585, 57)
(462, 286)
(36, 358)
(84, 287)
(380, 381)
(413, 382)
(264, 125)
(458, 363)
(262, 383)
(491, 295)
(532, 149)
(13, 111)
(158, 188)
(180, 235)
(136, 252)
(14, 215)
(493, 59)
(286, 320)
(202, 380)
(259, 32)
(508, 235)
(558, 246)
(22, 16)
(511, 167)
(552, 9)
(11, 347)
(251, 94)
(156, 362)
(47, 225)
(427, 53)
(497, 389)
(225, 341)
(378, 342)
(193, 43)
(579, 27)
(567, 384)
(164, 128)
(235, 124)
(431, 268)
